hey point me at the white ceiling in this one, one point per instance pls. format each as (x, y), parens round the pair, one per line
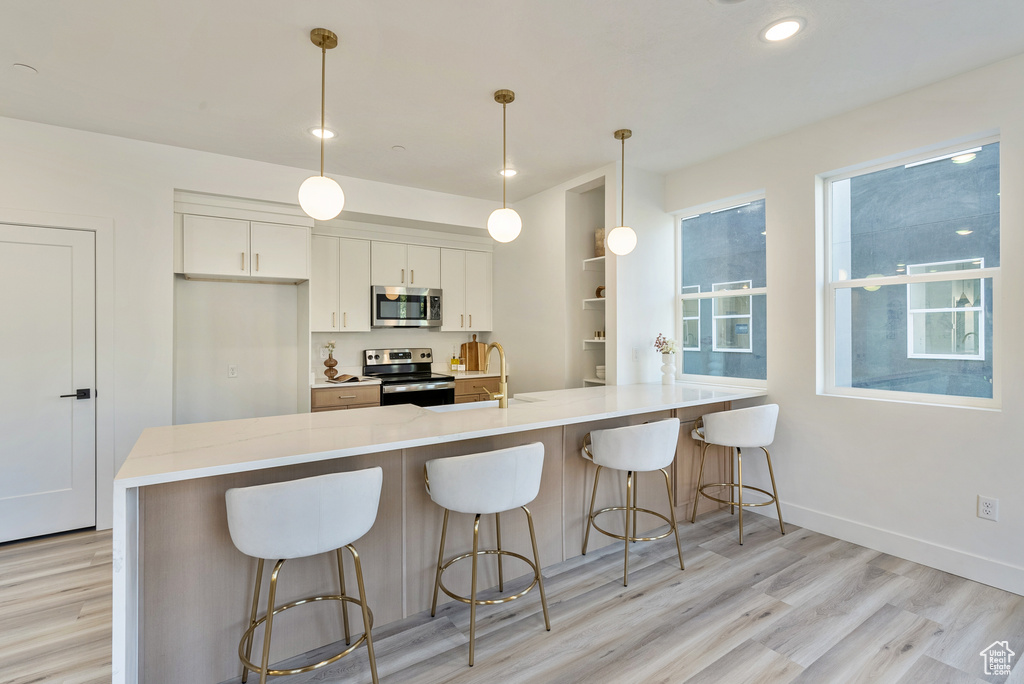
(690, 77)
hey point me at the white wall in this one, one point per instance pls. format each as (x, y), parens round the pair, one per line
(248, 325)
(131, 183)
(898, 477)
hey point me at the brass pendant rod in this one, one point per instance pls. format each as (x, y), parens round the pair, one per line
(504, 158)
(323, 100)
(622, 204)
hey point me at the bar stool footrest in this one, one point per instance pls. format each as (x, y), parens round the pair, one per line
(605, 532)
(770, 501)
(256, 669)
(493, 552)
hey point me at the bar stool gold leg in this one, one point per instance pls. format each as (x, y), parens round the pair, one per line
(590, 516)
(252, 618)
(440, 559)
(636, 488)
(497, 531)
(366, 611)
(270, 620)
(344, 604)
(700, 481)
(739, 489)
(625, 563)
(672, 517)
(775, 492)
(472, 599)
(732, 479)
(540, 577)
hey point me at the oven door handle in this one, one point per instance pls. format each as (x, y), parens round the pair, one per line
(418, 387)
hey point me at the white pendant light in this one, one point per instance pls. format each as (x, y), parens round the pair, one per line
(622, 239)
(319, 196)
(504, 224)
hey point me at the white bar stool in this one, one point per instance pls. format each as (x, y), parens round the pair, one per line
(748, 427)
(635, 449)
(488, 482)
(300, 518)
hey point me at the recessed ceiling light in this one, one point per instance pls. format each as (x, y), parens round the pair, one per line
(327, 133)
(900, 270)
(963, 158)
(507, 173)
(964, 231)
(782, 29)
(24, 68)
(398, 148)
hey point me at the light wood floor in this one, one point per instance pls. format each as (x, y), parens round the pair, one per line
(799, 608)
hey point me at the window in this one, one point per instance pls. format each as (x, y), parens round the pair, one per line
(690, 339)
(722, 253)
(913, 257)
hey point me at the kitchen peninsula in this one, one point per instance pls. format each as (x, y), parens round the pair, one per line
(181, 588)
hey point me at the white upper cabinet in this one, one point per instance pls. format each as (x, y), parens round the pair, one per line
(234, 248)
(453, 287)
(466, 283)
(216, 246)
(278, 251)
(355, 286)
(424, 266)
(479, 274)
(395, 264)
(339, 286)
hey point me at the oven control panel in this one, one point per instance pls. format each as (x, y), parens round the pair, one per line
(381, 357)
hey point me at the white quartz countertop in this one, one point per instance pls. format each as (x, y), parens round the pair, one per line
(182, 452)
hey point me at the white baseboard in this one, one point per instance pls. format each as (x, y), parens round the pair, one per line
(971, 566)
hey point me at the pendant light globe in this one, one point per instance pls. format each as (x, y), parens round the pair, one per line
(321, 197)
(504, 224)
(622, 240)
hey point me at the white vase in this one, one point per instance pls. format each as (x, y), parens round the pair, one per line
(668, 369)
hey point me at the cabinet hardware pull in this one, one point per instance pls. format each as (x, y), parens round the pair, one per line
(403, 276)
(257, 261)
(344, 320)
(462, 320)
(348, 396)
(333, 319)
(412, 276)
(470, 320)
(243, 261)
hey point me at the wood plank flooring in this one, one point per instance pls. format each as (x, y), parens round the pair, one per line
(800, 608)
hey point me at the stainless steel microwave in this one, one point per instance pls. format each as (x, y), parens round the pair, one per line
(405, 307)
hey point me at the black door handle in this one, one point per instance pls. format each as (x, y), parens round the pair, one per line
(79, 394)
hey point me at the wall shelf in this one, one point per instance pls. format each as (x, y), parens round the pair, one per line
(592, 381)
(594, 303)
(593, 344)
(594, 264)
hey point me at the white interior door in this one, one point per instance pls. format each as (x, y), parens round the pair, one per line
(47, 349)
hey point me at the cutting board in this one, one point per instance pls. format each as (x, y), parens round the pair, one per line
(475, 354)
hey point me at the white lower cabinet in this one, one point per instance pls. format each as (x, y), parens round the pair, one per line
(466, 283)
(339, 285)
(234, 248)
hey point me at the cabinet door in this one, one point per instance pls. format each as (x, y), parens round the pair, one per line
(279, 251)
(215, 246)
(387, 264)
(424, 266)
(479, 273)
(355, 286)
(324, 284)
(453, 285)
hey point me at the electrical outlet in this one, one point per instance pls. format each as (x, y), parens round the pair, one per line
(988, 508)
(636, 354)
(323, 353)
(232, 370)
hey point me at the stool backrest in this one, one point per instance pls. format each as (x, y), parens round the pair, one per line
(747, 427)
(488, 482)
(304, 517)
(649, 446)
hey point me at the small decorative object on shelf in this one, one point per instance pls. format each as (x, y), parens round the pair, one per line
(600, 291)
(331, 362)
(667, 347)
(599, 242)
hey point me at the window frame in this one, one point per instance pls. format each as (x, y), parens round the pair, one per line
(749, 316)
(684, 318)
(827, 287)
(979, 335)
(678, 217)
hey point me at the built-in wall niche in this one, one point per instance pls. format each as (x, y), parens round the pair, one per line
(587, 292)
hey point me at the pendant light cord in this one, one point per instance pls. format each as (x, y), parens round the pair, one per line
(323, 100)
(504, 158)
(622, 174)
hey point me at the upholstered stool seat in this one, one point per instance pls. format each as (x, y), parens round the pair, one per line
(480, 484)
(634, 449)
(749, 427)
(296, 519)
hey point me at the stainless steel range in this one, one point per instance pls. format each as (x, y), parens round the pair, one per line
(406, 377)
